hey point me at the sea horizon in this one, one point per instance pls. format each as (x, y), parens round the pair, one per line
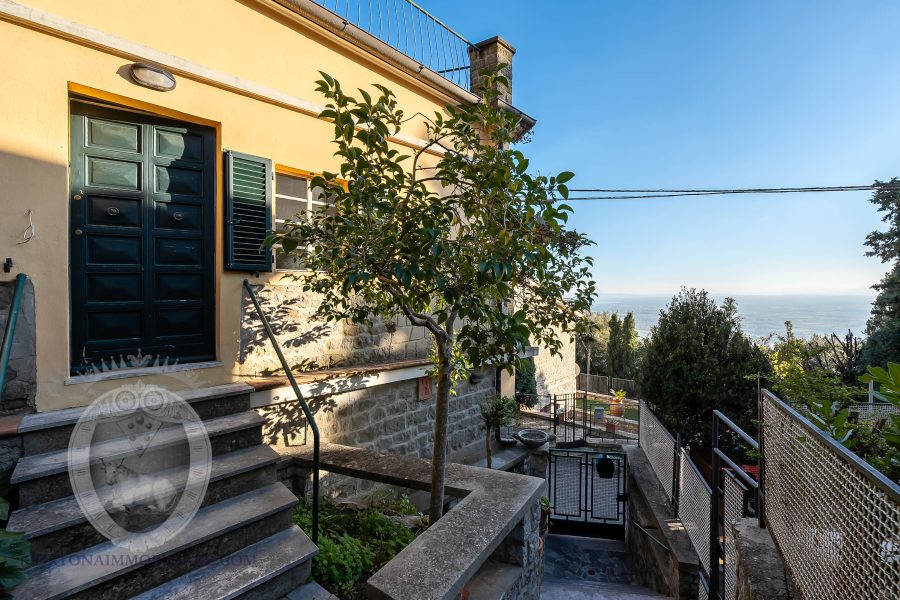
(761, 314)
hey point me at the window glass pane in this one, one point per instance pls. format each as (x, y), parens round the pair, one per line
(290, 185)
(287, 209)
(318, 195)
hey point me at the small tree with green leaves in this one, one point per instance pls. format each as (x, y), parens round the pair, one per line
(474, 249)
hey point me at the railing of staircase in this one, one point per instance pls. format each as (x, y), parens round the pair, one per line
(735, 494)
(310, 419)
(10, 330)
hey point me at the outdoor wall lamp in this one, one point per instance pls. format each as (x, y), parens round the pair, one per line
(153, 77)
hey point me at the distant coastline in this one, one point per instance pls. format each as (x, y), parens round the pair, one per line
(761, 314)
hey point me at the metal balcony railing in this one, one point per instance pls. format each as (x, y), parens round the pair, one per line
(412, 30)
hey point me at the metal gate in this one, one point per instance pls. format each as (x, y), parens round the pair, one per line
(588, 486)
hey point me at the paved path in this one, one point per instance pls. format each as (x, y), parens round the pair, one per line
(580, 568)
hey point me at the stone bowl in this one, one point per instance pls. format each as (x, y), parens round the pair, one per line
(532, 438)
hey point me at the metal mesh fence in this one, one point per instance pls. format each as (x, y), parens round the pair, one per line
(733, 495)
(873, 411)
(836, 522)
(694, 497)
(659, 447)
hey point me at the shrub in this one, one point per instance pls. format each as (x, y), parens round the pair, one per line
(698, 359)
(383, 536)
(342, 563)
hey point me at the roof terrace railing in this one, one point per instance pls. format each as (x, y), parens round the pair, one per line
(412, 30)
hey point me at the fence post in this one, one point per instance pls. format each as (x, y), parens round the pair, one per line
(714, 549)
(761, 489)
(676, 468)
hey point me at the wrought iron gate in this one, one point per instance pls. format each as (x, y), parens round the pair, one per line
(588, 487)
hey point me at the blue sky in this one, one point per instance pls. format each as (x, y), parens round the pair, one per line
(652, 94)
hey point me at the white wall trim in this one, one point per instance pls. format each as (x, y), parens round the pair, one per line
(141, 372)
(338, 384)
(88, 36)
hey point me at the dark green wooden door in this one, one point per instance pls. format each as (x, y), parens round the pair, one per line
(142, 238)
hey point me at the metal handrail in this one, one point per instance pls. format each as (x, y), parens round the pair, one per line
(412, 30)
(310, 419)
(651, 536)
(719, 457)
(10, 330)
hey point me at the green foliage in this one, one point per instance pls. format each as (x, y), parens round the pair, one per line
(353, 544)
(886, 246)
(342, 563)
(799, 377)
(383, 537)
(15, 550)
(499, 411)
(448, 241)
(593, 344)
(697, 359)
(526, 383)
(619, 394)
(496, 412)
(545, 502)
(889, 382)
(392, 502)
(620, 351)
(882, 345)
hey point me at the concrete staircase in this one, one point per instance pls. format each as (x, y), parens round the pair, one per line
(240, 544)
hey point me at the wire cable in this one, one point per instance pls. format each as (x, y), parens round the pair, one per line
(635, 194)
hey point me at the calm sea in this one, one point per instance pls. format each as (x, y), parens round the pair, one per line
(761, 315)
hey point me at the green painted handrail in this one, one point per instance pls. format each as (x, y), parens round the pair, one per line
(310, 419)
(10, 330)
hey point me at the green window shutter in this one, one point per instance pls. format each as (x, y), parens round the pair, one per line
(248, 212)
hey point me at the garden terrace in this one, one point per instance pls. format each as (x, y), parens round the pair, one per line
(493, 527)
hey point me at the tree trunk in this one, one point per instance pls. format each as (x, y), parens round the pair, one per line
(487, 445)
(439, 454)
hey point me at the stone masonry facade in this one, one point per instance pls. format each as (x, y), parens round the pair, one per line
(19, 392)
(312, 345)
(388, 418)
(556, 374)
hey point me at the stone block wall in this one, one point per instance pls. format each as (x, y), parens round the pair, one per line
(556, 374)
(388, 418)
(19, 392)
(313, 344)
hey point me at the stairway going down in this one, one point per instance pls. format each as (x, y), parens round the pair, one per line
(241, 543)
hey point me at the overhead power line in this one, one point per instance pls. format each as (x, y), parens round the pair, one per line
(635, 194)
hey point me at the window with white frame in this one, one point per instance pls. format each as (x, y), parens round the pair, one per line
(295, 199)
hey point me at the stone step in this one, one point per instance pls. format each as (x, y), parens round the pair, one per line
(561, 589)
(267, 569)
(58, 527)
(310, 591)
(44, 477)
(108, 572)
(46, 432)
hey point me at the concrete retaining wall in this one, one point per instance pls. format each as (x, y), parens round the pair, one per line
(670, 566)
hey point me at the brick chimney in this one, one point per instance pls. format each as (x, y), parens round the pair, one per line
(487, 55)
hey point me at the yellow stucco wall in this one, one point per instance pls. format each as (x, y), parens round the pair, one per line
(242, 38)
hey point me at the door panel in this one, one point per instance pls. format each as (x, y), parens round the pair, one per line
(142, 238)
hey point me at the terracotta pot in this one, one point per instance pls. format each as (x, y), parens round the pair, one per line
(617, 409)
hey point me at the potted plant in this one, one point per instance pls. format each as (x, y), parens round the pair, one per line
(497, 412)
(616, 407)
(545, 515)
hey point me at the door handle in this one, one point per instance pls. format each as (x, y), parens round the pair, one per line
(112, 211)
